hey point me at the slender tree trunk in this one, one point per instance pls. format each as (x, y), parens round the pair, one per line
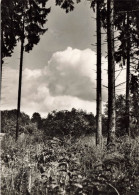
(0, 80)
(128, 81)
(1, 64)
(1, 71)
(1, 68)
(99, 89)
(20, 83)
(111, 72)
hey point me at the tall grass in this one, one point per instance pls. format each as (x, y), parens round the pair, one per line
(43, 165)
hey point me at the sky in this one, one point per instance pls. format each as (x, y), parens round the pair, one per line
(60, 72)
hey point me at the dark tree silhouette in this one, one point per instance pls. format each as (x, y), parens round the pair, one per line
(134, 87)
(111, 71)
(128, 80)
(8, 29)
(36, 118)
(127, 23)
(32, 18)
(67, 5)
(99, 5)
(99, 83)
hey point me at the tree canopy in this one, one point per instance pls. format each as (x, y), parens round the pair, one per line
(24, 19)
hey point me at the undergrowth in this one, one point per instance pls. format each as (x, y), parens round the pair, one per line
(68, 166)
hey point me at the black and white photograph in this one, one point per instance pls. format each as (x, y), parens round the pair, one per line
(69, 97)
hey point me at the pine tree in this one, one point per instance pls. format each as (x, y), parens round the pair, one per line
(127, 23)
(111, 72)
(99, 84)
(128, 80)
(8, 26)
(32, 19)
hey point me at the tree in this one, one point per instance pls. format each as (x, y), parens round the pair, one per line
(98, 67)
(127, 24)
(8, 121)
(111, 71)
(134, 87)
(8, 26)
(36, 118)
(74, 123)
(128, 80)
(8, 36)
(67, 5)
(99, 84)
(32, 19)
(121, 111)
(120, 105)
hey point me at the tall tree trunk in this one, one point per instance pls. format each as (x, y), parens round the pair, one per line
(0, 85)
(99, 88)
(1, 62)
(0, 80)
(128, 81)
(20, 83)
(111, 72)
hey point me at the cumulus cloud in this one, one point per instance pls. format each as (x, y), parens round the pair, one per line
(32, 74)
(69, 80)
(70, 73)
(73, 72)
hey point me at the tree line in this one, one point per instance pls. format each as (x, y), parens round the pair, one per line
(74, 123)
(58, 123)
(24, 22)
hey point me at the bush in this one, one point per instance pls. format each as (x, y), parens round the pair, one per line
(74, 122)
(68, 165)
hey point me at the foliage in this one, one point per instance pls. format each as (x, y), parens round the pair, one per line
(74, 122)
(22, 19)
(67, 5)
(8, 121)
(34, 17)
(69, 166)
(36, 118)
(121, 115)
(57, 123)
(8, 27)
(135, 104)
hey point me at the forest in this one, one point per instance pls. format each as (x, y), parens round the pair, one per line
(74, 152)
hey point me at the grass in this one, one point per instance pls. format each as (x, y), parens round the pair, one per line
(41, 165)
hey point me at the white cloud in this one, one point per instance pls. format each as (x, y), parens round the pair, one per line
(70, 72)
(32, 74)
(68, 81)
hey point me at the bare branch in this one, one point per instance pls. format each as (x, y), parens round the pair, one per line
(120, 84)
